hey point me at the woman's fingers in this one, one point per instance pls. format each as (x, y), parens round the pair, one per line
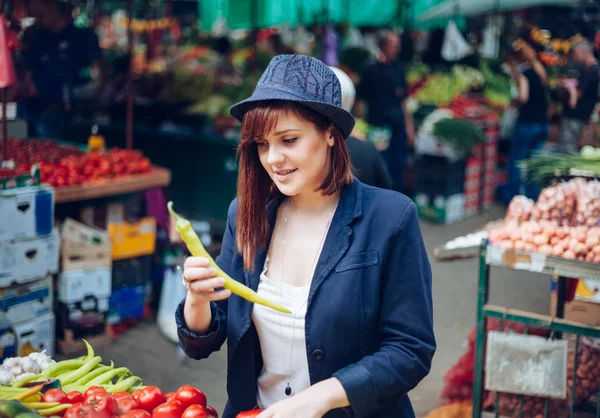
(196, 262)
(207, 285)
(198, 273)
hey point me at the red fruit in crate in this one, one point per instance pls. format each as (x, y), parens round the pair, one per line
(249, 414)
(171, 409)
(212, 412)
(188, 395)
(149, 398)
(195, 411)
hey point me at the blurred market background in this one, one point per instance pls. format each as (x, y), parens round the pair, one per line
(96, 141)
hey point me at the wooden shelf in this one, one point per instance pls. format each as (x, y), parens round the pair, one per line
(158, 177)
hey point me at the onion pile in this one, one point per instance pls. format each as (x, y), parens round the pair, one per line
(565, 222)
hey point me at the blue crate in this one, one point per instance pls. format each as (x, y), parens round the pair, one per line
(125, 303)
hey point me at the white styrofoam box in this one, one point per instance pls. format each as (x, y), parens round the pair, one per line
(36, 334)
(53, 247)
(27, 212)
(26, 301)
(75, 285)
(28, 259)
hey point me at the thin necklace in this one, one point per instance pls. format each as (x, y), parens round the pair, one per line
(288, 389)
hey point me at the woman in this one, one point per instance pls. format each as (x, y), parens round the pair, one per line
(346, 258)
(531, 128)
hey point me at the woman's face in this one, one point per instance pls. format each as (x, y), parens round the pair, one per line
(296, 155)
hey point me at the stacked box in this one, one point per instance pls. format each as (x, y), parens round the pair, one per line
(29, 255)
(490, 163)
(472, 184)
(84, 283)
(129, 285)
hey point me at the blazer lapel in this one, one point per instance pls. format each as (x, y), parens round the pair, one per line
(339, 235)
(252, 277)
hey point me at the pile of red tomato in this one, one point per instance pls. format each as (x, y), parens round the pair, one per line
(150, 402)
(67, 166)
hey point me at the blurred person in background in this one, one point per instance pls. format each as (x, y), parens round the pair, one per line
(582, 98)
(384, 90)
(532, 127)
(55, 54)
(367, 164)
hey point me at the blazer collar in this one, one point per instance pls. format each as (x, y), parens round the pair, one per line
(336, 243)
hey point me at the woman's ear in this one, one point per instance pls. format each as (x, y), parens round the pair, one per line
(329, 137)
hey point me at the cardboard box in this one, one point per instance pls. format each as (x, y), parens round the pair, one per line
(78, 233)
(588, 291)
(28, 259)
(133, 239)
(578, 311)
(27, 212)
(85, 256)
(26, 301)
(29, 336)
(77, 285)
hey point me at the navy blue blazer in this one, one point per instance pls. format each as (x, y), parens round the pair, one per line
(369, 319)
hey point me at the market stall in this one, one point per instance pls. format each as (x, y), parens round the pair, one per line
(35, 385)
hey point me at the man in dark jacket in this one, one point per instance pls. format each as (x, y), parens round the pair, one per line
(367, 164)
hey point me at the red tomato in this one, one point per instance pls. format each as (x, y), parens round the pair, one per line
(136, 393)
(170, 396)
(212, 412)
(122, 395)
(84, 410)
(102, 401)
(195, 411)
(189, 395)
(94, 389)
(124, 405)
(55, 395)
(75, 397)
(249, 414)
(137, 413)
(171, 409)
(149, 398)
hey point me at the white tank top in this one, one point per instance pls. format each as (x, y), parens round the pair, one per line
(275, 331)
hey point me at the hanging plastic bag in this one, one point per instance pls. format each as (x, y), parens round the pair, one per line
(455, 47)
(526, 364)
(490, 43)
(172, 293)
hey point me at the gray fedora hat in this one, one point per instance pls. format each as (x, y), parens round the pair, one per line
(304, 80)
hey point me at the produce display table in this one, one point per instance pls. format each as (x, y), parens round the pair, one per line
(203, 165)
(158, 177)
(492, 256)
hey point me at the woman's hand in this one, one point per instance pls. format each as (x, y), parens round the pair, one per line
(314, 402)
(297, 406)
(201, 280)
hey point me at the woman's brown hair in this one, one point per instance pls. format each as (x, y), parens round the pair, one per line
(255, 188)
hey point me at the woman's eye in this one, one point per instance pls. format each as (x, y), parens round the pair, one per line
(289, 140)
(261, 143)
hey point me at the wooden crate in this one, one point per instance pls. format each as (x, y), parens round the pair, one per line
(70, 345)
(78, 256)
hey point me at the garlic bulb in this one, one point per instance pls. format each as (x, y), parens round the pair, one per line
(5, 377)
(17, 371)
(11, 362)
(30, 366)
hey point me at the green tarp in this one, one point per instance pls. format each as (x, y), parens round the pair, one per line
(238, 13)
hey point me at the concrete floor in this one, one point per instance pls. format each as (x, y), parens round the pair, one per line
(149, 355)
